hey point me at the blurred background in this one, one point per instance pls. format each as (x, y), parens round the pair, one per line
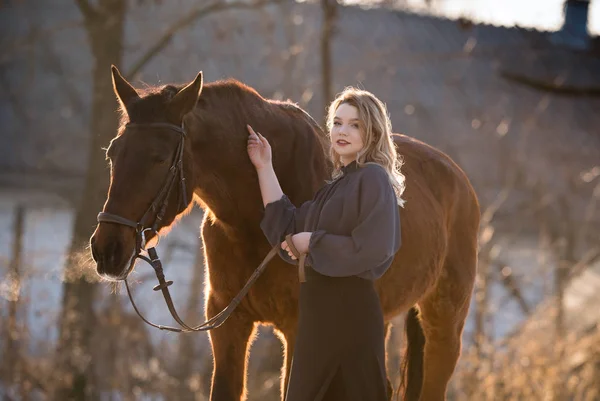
(510, 90)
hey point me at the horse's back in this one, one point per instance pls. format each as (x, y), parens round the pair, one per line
(444, 178)
(438, 197)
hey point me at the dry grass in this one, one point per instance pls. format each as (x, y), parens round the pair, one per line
(528, 367)
(532, 367)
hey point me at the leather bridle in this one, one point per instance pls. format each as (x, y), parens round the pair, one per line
(157, 210)
(159, 205)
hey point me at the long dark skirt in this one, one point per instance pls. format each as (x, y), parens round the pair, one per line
(340, 348)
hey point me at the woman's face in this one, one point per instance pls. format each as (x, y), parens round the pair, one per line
(346, 137)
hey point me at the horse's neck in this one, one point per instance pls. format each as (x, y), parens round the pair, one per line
(224, 208)
(232, 197)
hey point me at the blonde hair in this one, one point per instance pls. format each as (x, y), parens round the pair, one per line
(376, 133)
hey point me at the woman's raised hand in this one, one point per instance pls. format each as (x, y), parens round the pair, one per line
(259, 149)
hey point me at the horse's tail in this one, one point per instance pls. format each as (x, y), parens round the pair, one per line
(412, 365)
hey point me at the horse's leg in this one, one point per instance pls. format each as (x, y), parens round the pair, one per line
(230, 344)
(288, 339)
(443, 313)
(388, 331)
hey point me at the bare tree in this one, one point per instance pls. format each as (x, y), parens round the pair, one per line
(329, 8)
(104, 25)
(291, 53)
(12, 369)
(188, 352)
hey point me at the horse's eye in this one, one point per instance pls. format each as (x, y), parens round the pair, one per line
(158, 159)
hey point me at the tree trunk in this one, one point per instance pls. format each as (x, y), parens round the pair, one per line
(12, 369)
(105, 28)
(480, 338)
(329, 10)
(561, 279)
(187, 343)
(291, 54)
(481, 316)
(563, 268)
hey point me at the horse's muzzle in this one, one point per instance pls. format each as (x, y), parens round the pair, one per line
(112, 261)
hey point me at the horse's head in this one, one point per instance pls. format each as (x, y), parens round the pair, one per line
(151, 173)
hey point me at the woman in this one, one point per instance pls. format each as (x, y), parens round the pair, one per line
(349, 234)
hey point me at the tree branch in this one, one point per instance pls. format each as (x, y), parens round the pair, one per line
(54, 64)
(188, 20)
(588, 259)
(86, 9)
(32, 38)
(513, 288)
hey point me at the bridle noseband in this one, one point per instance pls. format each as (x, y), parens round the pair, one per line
(158, 208)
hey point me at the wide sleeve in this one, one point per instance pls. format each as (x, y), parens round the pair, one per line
(375, 238)
(282, 218)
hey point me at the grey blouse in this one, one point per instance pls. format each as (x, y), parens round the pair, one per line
(355, 223)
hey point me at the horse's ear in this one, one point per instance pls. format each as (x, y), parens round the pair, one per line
(185, 100)
(123, 89)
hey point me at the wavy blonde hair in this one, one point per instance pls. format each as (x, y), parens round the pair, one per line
(376, 133)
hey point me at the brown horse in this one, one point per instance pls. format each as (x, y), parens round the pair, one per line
(434, 269)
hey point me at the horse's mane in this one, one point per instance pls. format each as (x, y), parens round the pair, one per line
(292, 107)
(222, 100)
(154, 98)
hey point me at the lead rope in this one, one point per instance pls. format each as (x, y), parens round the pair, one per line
(163, 285)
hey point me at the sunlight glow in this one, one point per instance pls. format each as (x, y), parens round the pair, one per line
(544, 15)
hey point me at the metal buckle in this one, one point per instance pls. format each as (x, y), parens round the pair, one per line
(143, 242)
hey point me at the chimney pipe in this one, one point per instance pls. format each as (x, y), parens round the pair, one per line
(574, 33)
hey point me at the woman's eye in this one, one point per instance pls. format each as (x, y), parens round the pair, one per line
(336, 123)
(355, 126)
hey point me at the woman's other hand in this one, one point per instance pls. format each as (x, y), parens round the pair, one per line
(300, 240)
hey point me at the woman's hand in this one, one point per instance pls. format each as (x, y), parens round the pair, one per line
(259, 149)
(300, 240)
